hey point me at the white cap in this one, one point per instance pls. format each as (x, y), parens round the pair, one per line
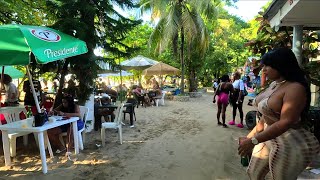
(104, 95)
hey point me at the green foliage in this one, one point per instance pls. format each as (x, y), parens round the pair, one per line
(138, 38)
(226, 51)
(95, 22)
(211, 46)
(182, 22)
(27, 12)
(267, 38)
(98, 24)
(312, 69)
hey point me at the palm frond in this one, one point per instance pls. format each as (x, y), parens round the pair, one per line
(206, 8)
(157, 7)
(172, 24)
(196, 31)
(155, 40)
(189, 25)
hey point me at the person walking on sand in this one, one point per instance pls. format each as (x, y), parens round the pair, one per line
(236, 99)
(223, 91)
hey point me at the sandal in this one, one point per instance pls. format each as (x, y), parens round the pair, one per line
(232, 122)
(240, 125)
(219, 123)
(224, 125)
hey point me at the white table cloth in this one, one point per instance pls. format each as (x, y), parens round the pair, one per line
(26, 126)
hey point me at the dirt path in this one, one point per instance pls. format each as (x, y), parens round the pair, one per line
(193, 146)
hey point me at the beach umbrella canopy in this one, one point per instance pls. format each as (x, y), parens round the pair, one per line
(123, 73)
(45, 43)
(137, 63)
(17, 42)
(13, 72)
(105, 68)
(160, 69)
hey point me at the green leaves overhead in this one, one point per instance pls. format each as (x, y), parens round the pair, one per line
(98, 24)
(182, 22)
(27, 12)
(177, 14)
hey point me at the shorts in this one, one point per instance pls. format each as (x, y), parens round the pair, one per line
(223, 98)
(65, 127)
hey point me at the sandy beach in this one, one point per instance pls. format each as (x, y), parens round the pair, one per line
(180, 140)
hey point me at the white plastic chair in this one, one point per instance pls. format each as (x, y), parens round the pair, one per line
(13, 115)
(161, 100)
(84, 111)
(117, 124)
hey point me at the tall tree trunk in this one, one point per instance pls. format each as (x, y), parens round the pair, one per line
(191, 74)
(192, 80)
(175, 45)
(182, 59)
(64, 72)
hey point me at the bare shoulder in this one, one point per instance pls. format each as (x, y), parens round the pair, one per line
(295, 87)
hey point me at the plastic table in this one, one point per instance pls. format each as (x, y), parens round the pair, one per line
(26, 126)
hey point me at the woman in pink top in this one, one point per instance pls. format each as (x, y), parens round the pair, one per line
(223, 91)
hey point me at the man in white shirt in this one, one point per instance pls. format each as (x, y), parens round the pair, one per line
(237, 99)
(215, 84)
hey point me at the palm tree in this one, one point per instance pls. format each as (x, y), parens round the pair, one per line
(180, 21)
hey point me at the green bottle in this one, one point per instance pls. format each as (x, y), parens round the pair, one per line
(245, 160)
(29, 113)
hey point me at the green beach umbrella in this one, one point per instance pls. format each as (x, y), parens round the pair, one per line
(17, 42)
(13, 72)
(46, 44)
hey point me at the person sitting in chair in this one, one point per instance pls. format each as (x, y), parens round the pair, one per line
(112, 93)
(68, 108)
(105, 112)
(11, 91)
(137, 91)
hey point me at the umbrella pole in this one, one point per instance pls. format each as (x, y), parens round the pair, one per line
(1, 85)
(121, 92)
(33, 90)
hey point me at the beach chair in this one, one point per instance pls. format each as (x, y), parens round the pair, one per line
(12, 116)
(160, 99)
(130, 110)
(117, 124)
